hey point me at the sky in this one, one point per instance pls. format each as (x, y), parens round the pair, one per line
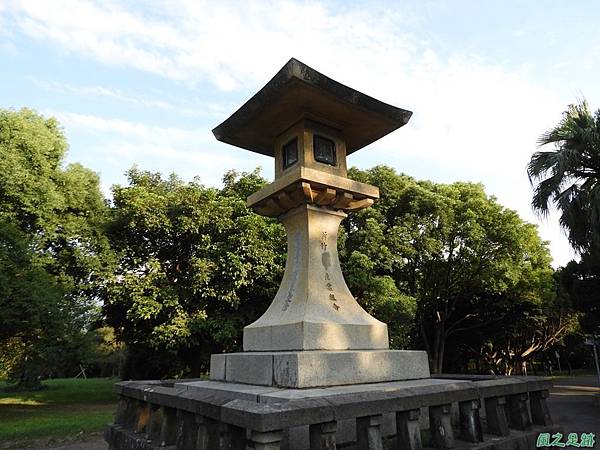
(145, 82)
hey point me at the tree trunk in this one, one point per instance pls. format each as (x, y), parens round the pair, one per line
(437, 349)
(28, 381)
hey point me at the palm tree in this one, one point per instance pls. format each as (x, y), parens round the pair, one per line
(569, 176)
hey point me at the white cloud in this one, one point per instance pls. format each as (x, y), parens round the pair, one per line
(119, 144)
(471, 116)
(138, 100)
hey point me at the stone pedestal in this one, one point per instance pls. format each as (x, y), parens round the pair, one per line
(314, 309)
(319, 368)
(314, 333)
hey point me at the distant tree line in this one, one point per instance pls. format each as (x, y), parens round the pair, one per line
(167, 272)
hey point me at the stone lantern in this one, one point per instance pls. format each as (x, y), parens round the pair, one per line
(316, 371)
(314, 333)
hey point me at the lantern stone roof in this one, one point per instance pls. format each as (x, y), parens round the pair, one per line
(297, 92)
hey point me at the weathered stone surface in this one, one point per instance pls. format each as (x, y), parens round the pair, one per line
(207, 435)
(232, 437)
(368, 433)
(250, 368)
(313, 308)
(322, 436)
(497, 421)
(518, 412)
(470, 422)
(318, 368)
(501, 387)
(187, 431)
(168, 427)
(266, 441)
(427, 386)
(269, 416)
(232, 390)
(322, 404)
(540, 414)
(294, 410)
(217, 366)
(408, 430)
(440, 426)
(297, 89)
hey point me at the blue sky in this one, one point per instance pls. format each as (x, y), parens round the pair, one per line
(145, 82)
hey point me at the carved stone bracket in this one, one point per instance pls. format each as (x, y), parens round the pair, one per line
(306, 192)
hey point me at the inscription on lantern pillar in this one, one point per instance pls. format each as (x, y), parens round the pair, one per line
(326, 261)
(295, 270)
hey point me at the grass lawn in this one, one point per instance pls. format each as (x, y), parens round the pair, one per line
(67, 408)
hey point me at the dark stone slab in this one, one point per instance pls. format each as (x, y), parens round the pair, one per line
(322, 436)
(408, 430)
(168, 427)
(211, 418)
(495, 411)
(368, 433)
(518, 412)
(377, 402)
(276, 416)
(208, 432)
(187, 431)
(440, 427)
(500, 387)
(470, 422)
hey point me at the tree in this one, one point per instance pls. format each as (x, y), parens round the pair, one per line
(54, 251)
(450, 247)
(524, 323)
(195, 266)
(30, 302)
(569, 176)
(581, 281)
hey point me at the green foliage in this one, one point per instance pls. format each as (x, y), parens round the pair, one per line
(195, 266)
(569, 176)
(53, 252)
(581, 282)
(451, 248)
(181, 268)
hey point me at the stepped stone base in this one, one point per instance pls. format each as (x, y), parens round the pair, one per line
(297, 438)
(306, 369)
(475, 413)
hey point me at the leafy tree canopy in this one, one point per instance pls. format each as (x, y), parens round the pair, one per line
(569, 175)
(450, 247)
(53, 252)
(195, 266)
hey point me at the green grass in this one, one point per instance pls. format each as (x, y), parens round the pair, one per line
(66, 409)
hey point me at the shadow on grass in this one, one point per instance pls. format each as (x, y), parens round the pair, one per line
(67, 408)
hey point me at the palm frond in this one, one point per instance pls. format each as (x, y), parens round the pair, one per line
(569, 176)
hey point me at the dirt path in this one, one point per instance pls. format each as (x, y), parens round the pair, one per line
(97, 443)
(571, 405)
(94, 441)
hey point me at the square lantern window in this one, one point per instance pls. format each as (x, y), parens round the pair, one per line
(290, 153)
(324, 150)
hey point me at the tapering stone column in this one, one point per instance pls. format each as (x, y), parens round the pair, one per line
(314, 309)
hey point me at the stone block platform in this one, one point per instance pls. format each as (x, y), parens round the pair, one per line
(309, 369)
(443, 413)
